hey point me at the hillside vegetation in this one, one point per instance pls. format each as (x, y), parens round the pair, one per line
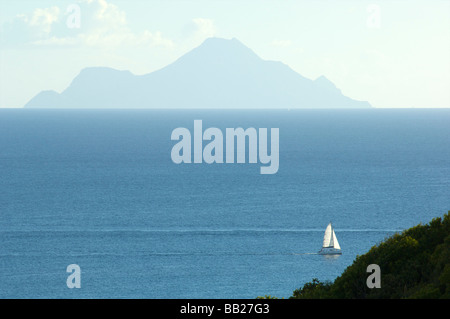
(413, 264)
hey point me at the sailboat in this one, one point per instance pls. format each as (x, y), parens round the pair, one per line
(330, 243)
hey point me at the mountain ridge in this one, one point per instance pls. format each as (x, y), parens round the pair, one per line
(219, 73)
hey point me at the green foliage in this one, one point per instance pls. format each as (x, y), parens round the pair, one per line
(267, 297)
(313, 290)
(414, 264)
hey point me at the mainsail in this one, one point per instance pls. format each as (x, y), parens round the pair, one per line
(328, 236)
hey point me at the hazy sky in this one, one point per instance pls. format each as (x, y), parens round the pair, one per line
(390, 53)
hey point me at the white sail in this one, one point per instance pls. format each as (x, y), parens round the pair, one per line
(335, 241)
(328, 237)
(330, 243)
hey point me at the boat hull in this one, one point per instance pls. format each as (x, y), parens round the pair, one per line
(330, 251)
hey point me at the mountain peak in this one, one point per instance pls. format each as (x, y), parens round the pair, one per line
(219, 73)
(222, 41)
(221, 48)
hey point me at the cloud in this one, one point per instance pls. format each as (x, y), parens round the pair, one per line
(25, 28)
(99, 14)
(204, 27)
(198, 29)
(101, 24)
(44, 18)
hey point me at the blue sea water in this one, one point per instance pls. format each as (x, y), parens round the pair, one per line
(98, 188)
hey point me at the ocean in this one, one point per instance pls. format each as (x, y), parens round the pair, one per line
(98, 188)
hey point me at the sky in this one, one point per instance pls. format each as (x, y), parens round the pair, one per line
(394, 54)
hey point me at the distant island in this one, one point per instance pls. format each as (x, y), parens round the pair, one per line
(220, 73)
(414, 265)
